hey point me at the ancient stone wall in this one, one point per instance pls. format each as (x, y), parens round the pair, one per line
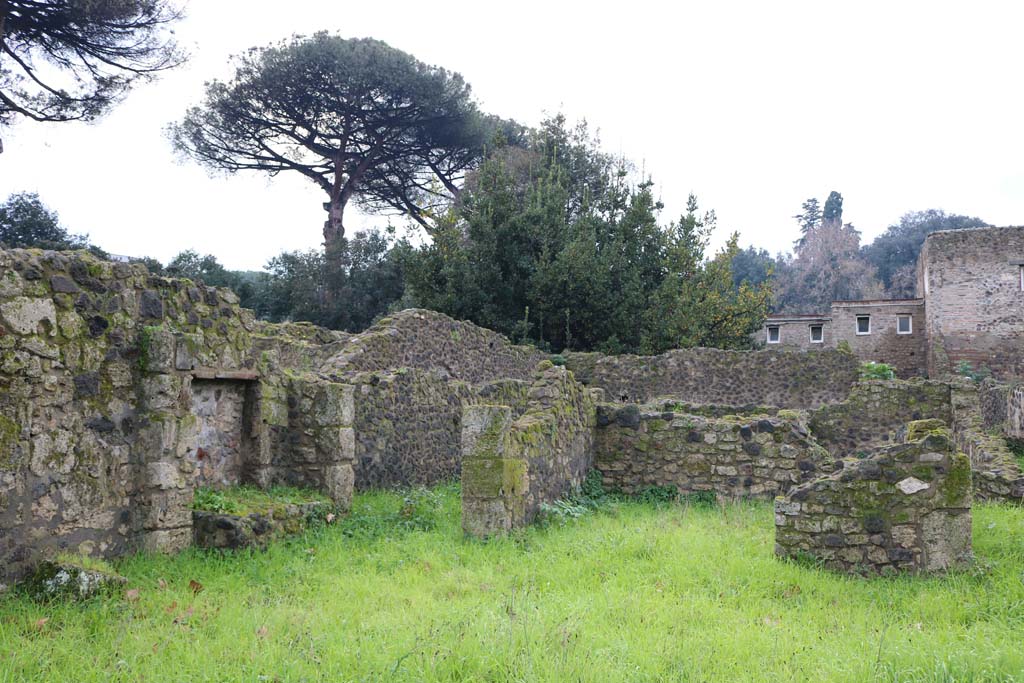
(120, 392)
(511, 466)
(426, 340)
(711, 376)
(884, 343)
(1015, 412)
(734, 456)
(875, 414)
(905, 508)
(309, 439)
(979, 430)
(974, 303)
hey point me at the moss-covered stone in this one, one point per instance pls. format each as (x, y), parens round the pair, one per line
(10, 431)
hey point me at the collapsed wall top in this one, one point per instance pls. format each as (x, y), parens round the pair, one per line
(422, 339)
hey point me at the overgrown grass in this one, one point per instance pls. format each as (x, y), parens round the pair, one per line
(658, 591)
(244, 500)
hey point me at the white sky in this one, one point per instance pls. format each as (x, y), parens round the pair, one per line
(753, 106)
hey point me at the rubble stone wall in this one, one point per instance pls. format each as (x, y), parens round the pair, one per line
(109, 381)
(426, 340)
(731, 456)
(905, 508)
(979, 430)
(512, 466)
(1015, 412)
(783, 379)
(875, 413)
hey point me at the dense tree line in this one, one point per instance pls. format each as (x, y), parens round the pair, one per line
(551, 242)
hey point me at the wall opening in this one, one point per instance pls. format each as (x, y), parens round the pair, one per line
(224, 442)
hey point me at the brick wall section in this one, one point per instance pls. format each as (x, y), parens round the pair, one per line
(876, 413)
(729, 456)
(974, 306)
(512, 466)
(907, 508)
(907, 353)
(795, 333)
(711, 376)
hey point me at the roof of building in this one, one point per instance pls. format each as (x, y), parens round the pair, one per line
(780, 317)
(878, 302)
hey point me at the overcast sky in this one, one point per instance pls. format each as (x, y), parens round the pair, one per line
(752, 106)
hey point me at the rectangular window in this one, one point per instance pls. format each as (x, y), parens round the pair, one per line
(816, 334)
(904, 324)
(863, 324)
(773, 334)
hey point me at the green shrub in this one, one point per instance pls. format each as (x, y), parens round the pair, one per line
(873, 370)
(965, 369)
(243, 500)
(211, 500)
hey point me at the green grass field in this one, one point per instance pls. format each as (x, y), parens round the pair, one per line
(635, 592)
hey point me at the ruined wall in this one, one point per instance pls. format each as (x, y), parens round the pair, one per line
(1015, 412)
(875, 414)
(905, 508)
(739, 378)
(974, 306)
(979, 428)
(907, 353)
(511, 466)
(308, 436)
(729, 456)
(426, 340)
(412, 373)
(103, 435)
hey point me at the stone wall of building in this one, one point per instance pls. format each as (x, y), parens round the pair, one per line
(740, 378)
(426, 340)
(733, 456)
(511, 466)
(905, 508)
(979, 429)
(1015, 412)
(120, 392)
(875, 414)
(974, 306)
(308, 436)
(906, 353)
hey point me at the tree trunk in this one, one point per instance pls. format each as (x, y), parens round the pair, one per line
(334, 229)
